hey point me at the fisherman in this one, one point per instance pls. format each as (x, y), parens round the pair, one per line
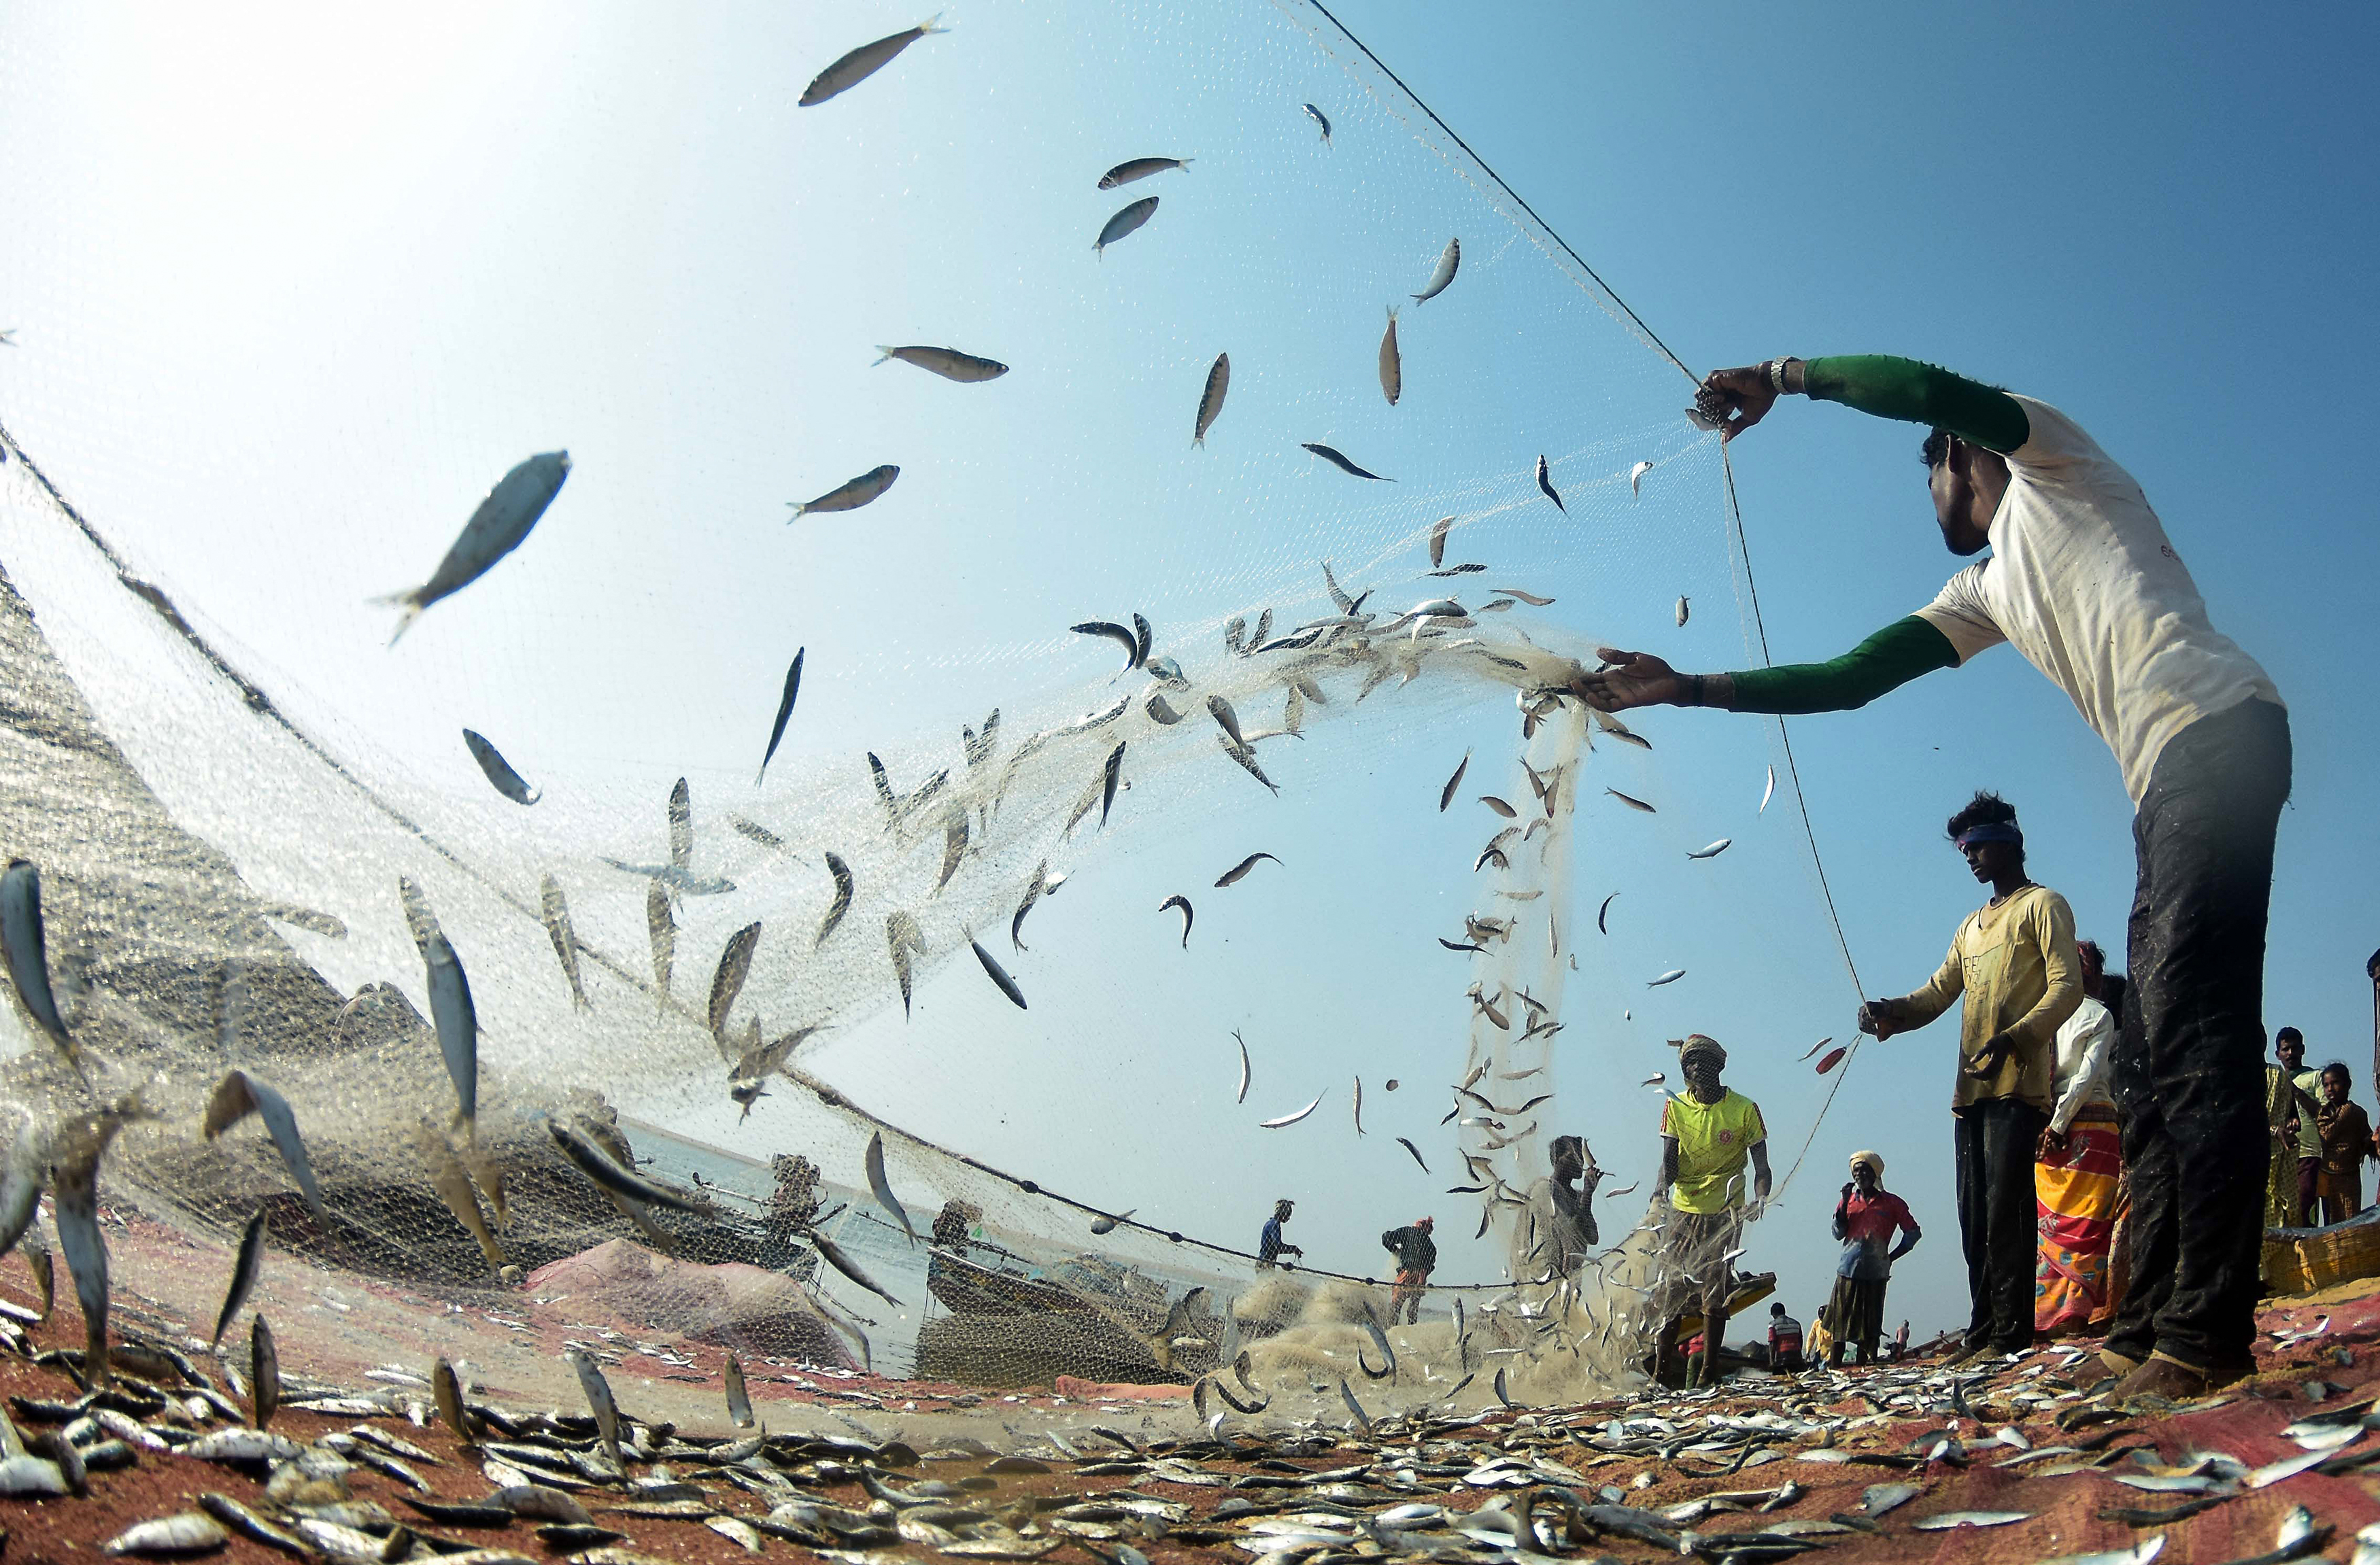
(2085, 583)
(2014, 960)
(1563, 1208)
(1707, 1132)
(2346, 1142)
(1867, 1216)
(2289, 1045)
(1784, 1340)
(1270, 1245)
(2078, 1166)
(1416, 1256)
(1900, 1343)
(954, 1225)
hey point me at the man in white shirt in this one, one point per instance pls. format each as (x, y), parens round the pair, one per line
(2084, 582)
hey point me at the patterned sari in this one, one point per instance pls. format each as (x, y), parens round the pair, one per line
(2077, 1194)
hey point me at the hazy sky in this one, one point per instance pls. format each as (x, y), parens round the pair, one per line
(291, 290)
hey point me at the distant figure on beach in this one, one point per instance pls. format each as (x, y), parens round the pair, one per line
(1866, 1218)
(1709, 1132)
(1900, 1343)
(2083, 581)
(1416, 1256)
(1784, 1340)
(1270, 1245)
(955, 1224)
(2290, 1113)
(2346, 1142)
(2015, 963)
(1562, 1207)
(2078, 1167)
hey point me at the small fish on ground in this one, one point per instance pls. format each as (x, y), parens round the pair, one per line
(1138, 168)
(777, 729)
(263, 1372)
(1321, 119)
(499, 771)
(947, 362)
(1442, 274)
(864, 62)
(168, 1537)
(497, 528)
(1211, 400)
(1124, 223)
(1341, 462)
(850, 496)
(1546, 486)
(599, 1402)
(1944, 1521)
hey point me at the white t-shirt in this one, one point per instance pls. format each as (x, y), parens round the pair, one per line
(2082, 579)
(2085, 1041)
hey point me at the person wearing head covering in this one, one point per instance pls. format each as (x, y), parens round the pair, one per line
(1866, 1218)
(1562, 1210)
(1416, 1256)
(2346, 1142)
(1709, 1132)
(2014, 961)
(2078, 1167)
(1270, 1245)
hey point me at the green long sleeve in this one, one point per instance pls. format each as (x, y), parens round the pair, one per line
(1890, 658)
(1920, 394)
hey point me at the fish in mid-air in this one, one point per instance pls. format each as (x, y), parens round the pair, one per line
(1685, 608)
(1359, 1106)
(1113, 772)
(845, 889)
(1449, 258)
(607, 1171)
(880, 1186)
(1714, 850)
(458, 1022)
(947, 362)
(864, 62)
(777, 729)
(1291, 1119)
(1602, 913)
(1437, 531)
(1321, 119)
(557, 928)
(1183, 904)
(1546, 486)
(1341, 462)
(727, 978)
(1124, 223)
(1671, 977)
(1239, 871)
(497, 528)
(1834, 1057)
(849, 496)
(240, 1095)
(906, 943)
(1109, 630)
(243, 1272)
(1767, 793)
(1631, 801)
(1138, 168)
(999, 975)
(1529, 597)
(25, 945)
(1637, 478)
(1210, 401)
(1393, 369)
(663, 928)
(500, 773)
(1410, 1146)
(1446, 795)
(739, 1397)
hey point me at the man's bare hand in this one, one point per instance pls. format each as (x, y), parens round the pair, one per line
(1736, 399)
(1990, 1055)
(1638, 679)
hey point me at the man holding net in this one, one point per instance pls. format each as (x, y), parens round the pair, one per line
(2084, 582)
(1709, 1132)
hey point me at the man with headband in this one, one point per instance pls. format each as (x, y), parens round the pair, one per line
(2015, 963)
(2084, 582)
(1707, 1133)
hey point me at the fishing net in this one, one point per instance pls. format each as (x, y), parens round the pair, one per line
(250, 812)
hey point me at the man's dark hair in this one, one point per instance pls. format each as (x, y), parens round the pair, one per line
(1984, 809)
(1937, 447)
(2289, 1034)
(1777, 1309)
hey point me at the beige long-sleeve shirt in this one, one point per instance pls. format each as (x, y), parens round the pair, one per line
(2016, 964)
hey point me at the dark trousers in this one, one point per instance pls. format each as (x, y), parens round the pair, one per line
(1998, 1222)
(2309, 1190)
(2190, 1066)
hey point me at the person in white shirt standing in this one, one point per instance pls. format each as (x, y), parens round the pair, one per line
(2084, 582)
(2078, 1169)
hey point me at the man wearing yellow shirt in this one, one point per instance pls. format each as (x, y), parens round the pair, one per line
(2015, 962)
(1707, 1133)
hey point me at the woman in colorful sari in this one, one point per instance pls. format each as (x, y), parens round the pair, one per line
(2078, 1168)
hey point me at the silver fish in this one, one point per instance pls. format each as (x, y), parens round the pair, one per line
(1105, 1224)
(1245, 1071)
(1392, 370)
(1447, 260)
(556, 909)
(1414, 1150)
(947, 362)
(243, 1272)
(739, 1400)
(1159, 710)
(1290, 1119)
(1143, 635)
(26, 948)
(263, 1372)
(1228, 719)
(499, 771)
(1113, 772)
(777, 729)
(168, 1537)
(850, 496)
(1110, 631)
(1529, 597)
(1502, 1394)
(20, 1186)
(1714, 850)
(663, 930)
(1321, 119)
(1371, 1326)
(1943, 1522)
(881, 1187)
(1341, 462)
(1881, 1497)
(1632, 802)
(76, 1210)
(240, 1095)
(453, 1183)
(1446, 795)
(999, 975)
(1359, 1105)
(1603, 912)
(458, 1029)
(864, 62)
(497, 528)
(1671, 977)
(1546, 487)
(727, 980)
(419, 920)
(1124, 223)
(1293, 716)
(599, 1166)
(1248, 759)
(1239, 871)
(906, 942)
(1684, 610)
(1032, 894)
(1210, 401)
(1138, 168)
(845, 889)
(1183, 904)
(849, 1267)
(1500, 807)
(600, 1400)
(1766, 794)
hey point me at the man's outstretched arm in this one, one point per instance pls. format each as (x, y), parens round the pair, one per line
(1880, 384)
(1890, 658)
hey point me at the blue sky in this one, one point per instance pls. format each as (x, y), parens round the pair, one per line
(280, 350)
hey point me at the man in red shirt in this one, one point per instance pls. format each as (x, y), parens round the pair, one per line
(1866, 1219)
(1784, 1340)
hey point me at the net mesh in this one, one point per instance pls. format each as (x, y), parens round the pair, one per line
(241, 803)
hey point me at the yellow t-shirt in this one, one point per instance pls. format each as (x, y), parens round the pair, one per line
(2016, 964)
(1714, 1141)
